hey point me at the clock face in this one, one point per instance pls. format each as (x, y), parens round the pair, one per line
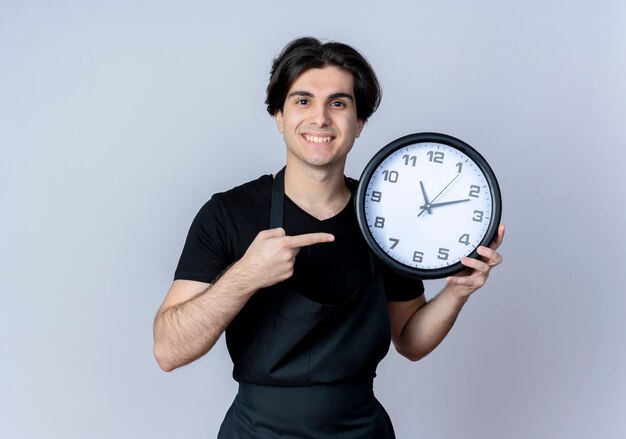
(425, 201)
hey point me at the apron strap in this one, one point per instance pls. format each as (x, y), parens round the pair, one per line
(277, 209)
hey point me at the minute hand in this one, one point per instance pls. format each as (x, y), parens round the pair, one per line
(424, 208)
(445, 203)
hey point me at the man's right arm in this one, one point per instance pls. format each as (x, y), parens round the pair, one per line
(195, 314)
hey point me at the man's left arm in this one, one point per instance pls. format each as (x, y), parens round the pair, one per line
(418, 326)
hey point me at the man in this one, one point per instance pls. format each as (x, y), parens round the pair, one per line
(279, 265)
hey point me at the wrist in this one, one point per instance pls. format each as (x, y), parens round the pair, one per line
(238, 279)
(455, 293)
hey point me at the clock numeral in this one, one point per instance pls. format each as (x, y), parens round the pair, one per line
(418, 257)
(435, 156)
(443, 254)
(474, 191)
(459, 166)
(376, 196)
(380, 222)
(409, 158)
(390, 176)
(478, 216)
(464, 239)
(395, 242)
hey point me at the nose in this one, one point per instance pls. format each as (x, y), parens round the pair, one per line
(320, 116)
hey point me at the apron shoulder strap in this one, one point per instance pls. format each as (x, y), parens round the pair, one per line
(277, 207)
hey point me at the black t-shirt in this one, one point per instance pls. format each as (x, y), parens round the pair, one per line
(227, 224)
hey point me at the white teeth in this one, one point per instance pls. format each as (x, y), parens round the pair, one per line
(314, 139)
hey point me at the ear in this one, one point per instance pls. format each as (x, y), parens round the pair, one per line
(360, 123)
(278, 117)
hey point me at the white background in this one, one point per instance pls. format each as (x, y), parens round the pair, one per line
(119, 119)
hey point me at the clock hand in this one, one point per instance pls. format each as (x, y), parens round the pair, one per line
(426, 202)
(442, 191)
(445, 203)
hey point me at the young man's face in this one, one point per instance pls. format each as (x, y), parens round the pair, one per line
(319, 121)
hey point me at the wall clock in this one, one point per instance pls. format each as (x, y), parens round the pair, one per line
(426, 200)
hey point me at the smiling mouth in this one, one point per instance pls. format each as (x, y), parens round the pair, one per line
(317, 139)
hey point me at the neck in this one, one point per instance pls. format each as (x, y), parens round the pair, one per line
(321, 192)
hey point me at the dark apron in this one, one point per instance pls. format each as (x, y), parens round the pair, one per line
(306, 369)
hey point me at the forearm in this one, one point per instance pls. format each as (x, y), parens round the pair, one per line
(188, 330)
(190, 323)
(418, 331)
(429, 325)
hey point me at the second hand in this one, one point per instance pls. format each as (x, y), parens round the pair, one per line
(437, 196)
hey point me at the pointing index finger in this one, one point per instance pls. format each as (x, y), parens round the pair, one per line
(307, 239)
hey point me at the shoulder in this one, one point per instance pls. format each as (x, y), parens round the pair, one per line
(243, 198)
(238, 213)
(223, 229)
(251, 190)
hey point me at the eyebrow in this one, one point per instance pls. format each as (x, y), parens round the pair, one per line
(308, 94)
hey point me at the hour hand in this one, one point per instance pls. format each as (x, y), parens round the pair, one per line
(426, 205)
(445, 203)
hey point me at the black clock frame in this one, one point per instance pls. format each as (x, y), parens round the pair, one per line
(402, 142)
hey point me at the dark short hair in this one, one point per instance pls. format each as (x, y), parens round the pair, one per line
(309, 53)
